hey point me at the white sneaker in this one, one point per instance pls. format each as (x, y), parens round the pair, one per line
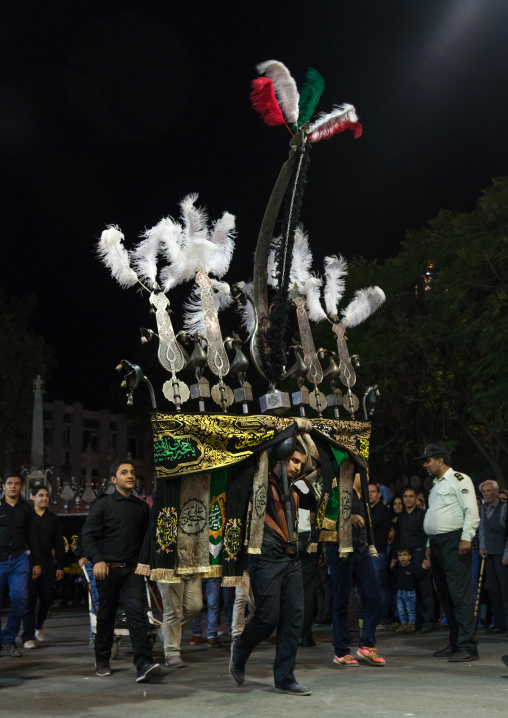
(39, 634)
(29, 644)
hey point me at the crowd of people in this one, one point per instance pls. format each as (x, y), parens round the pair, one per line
(430, 552)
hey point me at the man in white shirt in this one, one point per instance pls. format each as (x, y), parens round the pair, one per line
(450, 523)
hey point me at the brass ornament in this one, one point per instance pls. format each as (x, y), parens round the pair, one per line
(217, 357)
(176, 391)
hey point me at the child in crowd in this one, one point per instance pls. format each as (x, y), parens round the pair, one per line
(407, 574)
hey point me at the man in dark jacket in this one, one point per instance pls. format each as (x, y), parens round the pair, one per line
(18, 544)
(409, 534)
(112, 538)
(276, 581)
(40, 592)
(494, 549)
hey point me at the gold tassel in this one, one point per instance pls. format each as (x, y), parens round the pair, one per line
(329, 525)
(164, 575)
(231, 581)
(373, 551)
(313, 547)
(215, 572)
(192, 569)
(142, 569)
(329, 536)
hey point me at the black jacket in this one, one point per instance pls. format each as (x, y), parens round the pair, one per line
(49, 536)
(17, 532)
(381, 524)
(409, 531)
(114, 529)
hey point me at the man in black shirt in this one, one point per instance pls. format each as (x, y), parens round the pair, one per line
(381, 522)
(17, 541)
(112, 538)
(276, 581)
(40, 592)
(409, 533)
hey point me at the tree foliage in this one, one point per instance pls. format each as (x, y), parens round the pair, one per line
(438, 347)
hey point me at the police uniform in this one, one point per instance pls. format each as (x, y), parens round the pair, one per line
(452, 517)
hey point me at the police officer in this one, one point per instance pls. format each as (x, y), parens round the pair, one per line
(450, 523)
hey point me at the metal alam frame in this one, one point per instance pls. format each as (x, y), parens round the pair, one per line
(188, 444)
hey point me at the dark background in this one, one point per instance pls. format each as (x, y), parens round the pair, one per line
(111, 112)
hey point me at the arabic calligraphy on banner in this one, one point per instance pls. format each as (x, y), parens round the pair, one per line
(188, 443)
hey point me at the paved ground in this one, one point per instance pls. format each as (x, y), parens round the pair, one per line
(57, 679)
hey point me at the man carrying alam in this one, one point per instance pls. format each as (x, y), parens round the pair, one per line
(450, 523)
(277, 585)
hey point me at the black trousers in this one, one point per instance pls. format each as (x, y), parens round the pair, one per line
(278, 595)
(125, 584)
(452, 576)
(324, 593)
(497, 586)
(40, 596)
(310, 578)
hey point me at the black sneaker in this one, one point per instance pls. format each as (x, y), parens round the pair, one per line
(147, 672)
(294, 689)
(103, 669)
(12, 650)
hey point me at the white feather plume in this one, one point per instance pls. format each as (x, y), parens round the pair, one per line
(248, 319)
(364, 303)
(116, 258)
(193, 318)
(192, 247)
(195, 219)
(340, 113)
(222, 237)
(301, 261)
(312, 291)
(171, 241)
(335, 273)
(285, 88)
(144, 256)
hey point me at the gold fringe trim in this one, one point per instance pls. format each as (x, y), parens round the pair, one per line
(192, 569)
(164, 575)
(373, 550)
(329, 536)
(334, 482)
(251, 549)
(142, 569)
(231, 581)
(312, 548)
(215, 572)
(329, 525)
(344, 552)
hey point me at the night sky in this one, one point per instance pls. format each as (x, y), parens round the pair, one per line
(111, 112)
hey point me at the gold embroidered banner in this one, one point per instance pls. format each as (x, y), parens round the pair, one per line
(189, 443)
